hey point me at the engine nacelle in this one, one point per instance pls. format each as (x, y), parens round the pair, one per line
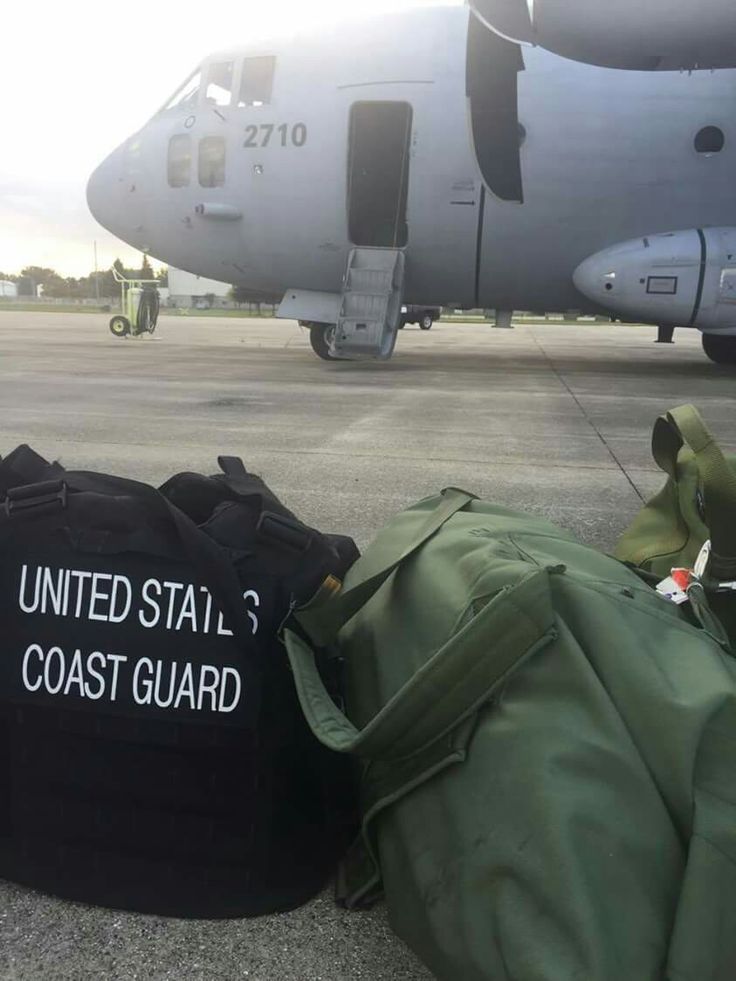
(683, 279)
(640, 34)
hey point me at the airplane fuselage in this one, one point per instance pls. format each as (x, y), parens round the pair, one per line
(604, 156)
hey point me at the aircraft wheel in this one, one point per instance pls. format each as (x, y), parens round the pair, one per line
(320, 336)
(426, 322)
(720, 348)
(119, 326)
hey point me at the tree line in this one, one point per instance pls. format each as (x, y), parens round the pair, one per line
(89, 287)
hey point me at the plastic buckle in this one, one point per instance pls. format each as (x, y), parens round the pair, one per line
(703, 560)
(36, 497)
(284, 531)
(701, 568)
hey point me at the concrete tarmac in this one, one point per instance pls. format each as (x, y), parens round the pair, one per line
(552, 419)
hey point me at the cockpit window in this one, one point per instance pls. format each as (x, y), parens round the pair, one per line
(256, 84)
(188, 94)
(180, 160)
(212, 161)
(219, 83)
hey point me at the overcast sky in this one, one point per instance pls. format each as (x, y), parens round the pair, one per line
(79, 76)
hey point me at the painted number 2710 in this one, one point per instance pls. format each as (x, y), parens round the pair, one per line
(284, 135)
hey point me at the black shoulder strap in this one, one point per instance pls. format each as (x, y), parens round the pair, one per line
(25, 466)
(246, 486)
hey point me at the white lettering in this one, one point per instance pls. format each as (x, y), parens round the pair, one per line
(75, 676)
(188, 610)
(98, 595)
(28, 607)
(209, 689)
(52, 593)
(120, 584)
(173, 588)
(150, 584)
(95, 656)
(186, 688)
(164, 703)
(221, 628)
(81, 577)
(59, 654)
(230, 673)
(146, 684)
(34, 649)
(117, 660)
(251, 595)
(67, 580)
(190, 686)
(208, 609)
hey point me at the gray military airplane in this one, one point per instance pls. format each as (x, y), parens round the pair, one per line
(425, 158)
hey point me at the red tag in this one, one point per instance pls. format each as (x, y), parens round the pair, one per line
(682, 578)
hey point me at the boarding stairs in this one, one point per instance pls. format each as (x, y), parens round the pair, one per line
(370, 310)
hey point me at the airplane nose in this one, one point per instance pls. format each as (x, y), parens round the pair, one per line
(104, 191)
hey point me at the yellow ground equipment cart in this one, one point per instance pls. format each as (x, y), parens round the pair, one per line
(140, 306)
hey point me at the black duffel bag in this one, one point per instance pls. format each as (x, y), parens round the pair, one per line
(153, 756)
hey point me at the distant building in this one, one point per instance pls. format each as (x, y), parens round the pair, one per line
(188, 290)
(8, 290)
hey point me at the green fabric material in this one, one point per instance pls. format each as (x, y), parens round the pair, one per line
(323, 624)
(697, 503)
(578, 819)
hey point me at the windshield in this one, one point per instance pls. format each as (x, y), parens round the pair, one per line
(187, 95)
(219, 83)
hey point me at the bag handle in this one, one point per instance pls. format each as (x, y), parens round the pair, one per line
(323, 622)
(684, 426)
(450, 687)
(25, 466)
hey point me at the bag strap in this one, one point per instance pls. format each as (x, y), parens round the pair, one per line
(25, 466)
(323, 622)
(232, 466)
(460, 678)
(684, 426)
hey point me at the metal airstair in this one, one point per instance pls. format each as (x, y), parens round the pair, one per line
(371, 305)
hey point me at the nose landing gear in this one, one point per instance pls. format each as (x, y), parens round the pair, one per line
(320, 337)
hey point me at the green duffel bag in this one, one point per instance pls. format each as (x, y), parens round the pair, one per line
(547, 750)
(696, 505)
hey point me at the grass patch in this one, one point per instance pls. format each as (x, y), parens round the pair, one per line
(99, 311)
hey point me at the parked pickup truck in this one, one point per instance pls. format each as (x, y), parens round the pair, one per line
(424, 316)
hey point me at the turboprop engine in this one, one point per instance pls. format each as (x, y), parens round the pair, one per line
(644, 35)
(680, 279)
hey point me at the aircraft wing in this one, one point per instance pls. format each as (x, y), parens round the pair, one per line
(644, 35)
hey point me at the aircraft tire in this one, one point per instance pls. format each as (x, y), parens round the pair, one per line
(720, 348)
(318, 338)
(426, 322)
(119, 326)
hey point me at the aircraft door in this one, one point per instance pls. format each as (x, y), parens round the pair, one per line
(378, 173)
